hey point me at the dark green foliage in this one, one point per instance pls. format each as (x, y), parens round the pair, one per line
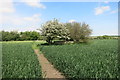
(0, 35)
(16, 36)
(29, 35)
(19, 61)
(79, 32)
(96, 60)
(9, 36)
(107, 37)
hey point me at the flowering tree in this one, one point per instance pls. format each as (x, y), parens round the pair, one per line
(54, 29)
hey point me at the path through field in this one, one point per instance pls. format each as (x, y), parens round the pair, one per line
(48, 69)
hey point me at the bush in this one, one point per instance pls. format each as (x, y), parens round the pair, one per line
(79, 32)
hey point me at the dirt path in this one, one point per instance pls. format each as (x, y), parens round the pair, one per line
(48, 70)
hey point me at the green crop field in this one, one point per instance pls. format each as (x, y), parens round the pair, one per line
(19, 61)
(97, 59)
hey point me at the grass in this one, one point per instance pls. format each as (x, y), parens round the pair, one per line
(0, 60)
(19, 61)
(41, 41)
(34, 46)
(95, 60)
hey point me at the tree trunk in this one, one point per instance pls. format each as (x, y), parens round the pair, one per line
(49, 41)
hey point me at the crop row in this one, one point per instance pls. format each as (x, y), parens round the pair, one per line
(95, 60)
(19, 61)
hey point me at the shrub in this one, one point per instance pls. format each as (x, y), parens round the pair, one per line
(79, 32)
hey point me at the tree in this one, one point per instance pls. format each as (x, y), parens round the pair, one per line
(104, 37)
(54, 29)
(29, 35)
(9, 36)
(15, 36)
(79, 31)
(0, 35)
(34, 35)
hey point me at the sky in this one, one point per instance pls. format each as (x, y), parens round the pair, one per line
(102, 17)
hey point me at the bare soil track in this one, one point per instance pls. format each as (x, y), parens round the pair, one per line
(48, 70)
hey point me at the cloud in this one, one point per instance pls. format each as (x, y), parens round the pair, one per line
(6, 7)
(72, 20)
(9, 16)
(18, 20)
(10, 20)
(101, 10)
(34, 18)
(20, 23)
(106, 2)
(114, 11)
(34, 3)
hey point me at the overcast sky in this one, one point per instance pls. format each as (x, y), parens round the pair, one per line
(30, 14)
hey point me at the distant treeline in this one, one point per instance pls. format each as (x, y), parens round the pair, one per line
(19, 36)
(33, 35)
(105, 37)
